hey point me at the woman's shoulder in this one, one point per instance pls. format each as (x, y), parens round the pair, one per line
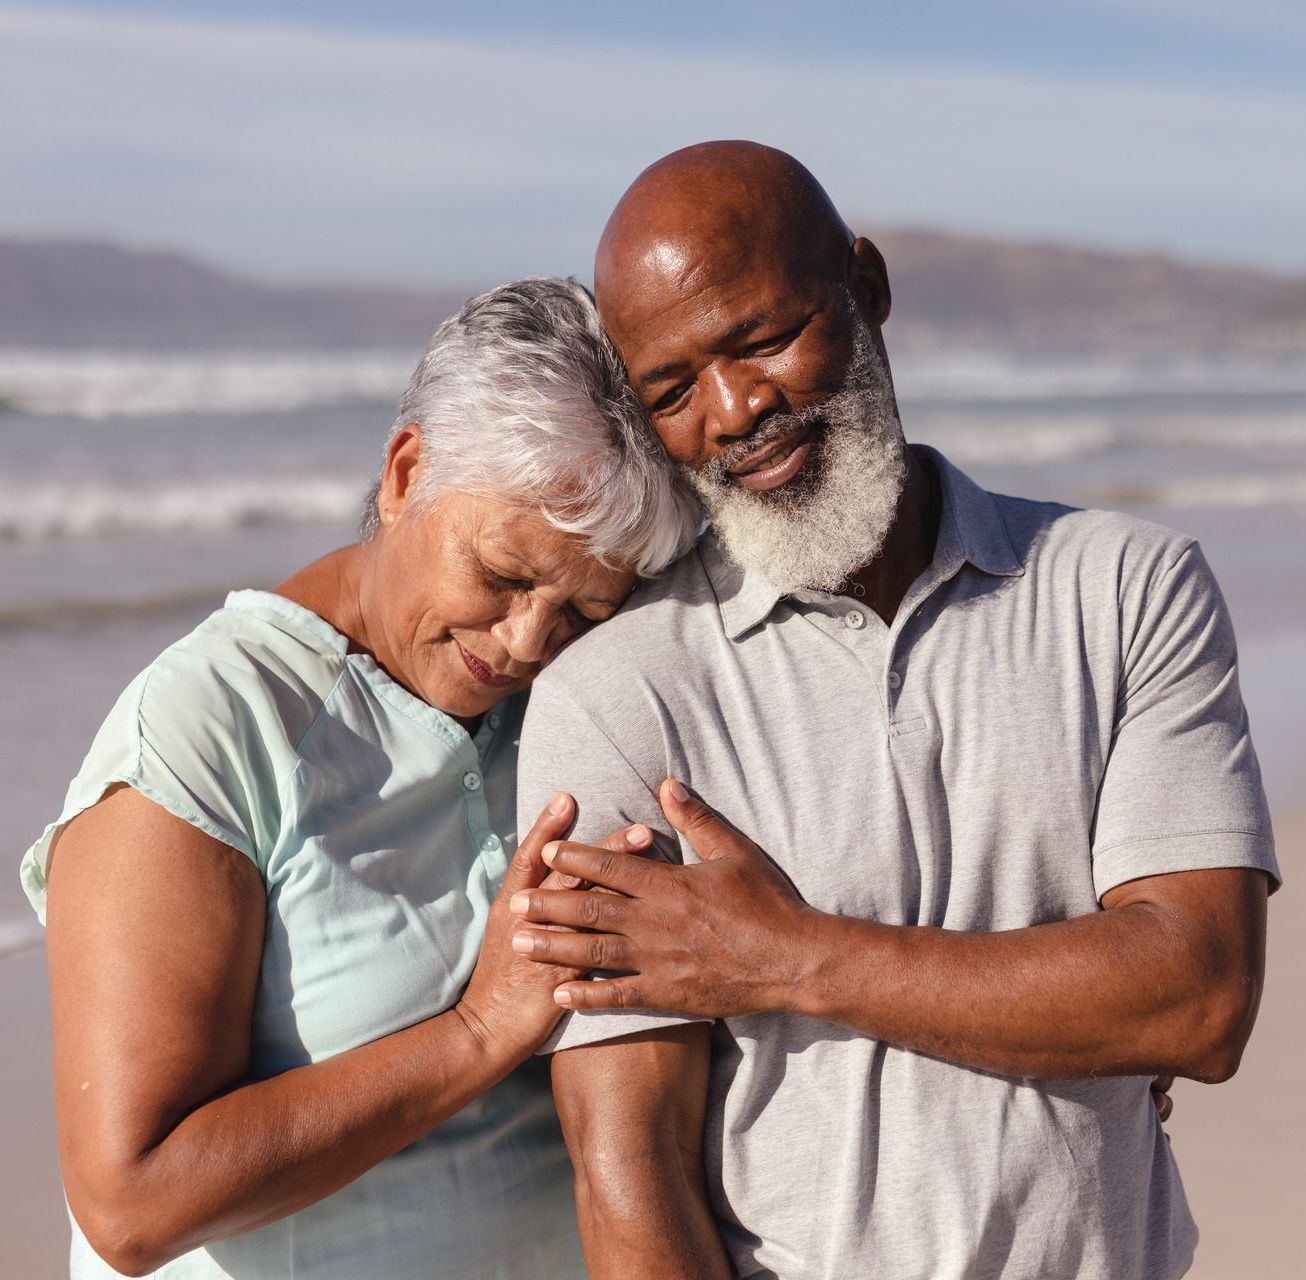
(210, 730)
(260, 657)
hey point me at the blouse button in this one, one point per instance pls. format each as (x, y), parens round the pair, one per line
(472, 781)
(490, 843)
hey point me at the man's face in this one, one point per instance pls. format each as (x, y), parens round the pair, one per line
(718, 343)
(767, 386)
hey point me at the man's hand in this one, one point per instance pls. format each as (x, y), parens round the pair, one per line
(718, 939)
(1164, 981)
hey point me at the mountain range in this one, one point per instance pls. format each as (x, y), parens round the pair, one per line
(950, 292)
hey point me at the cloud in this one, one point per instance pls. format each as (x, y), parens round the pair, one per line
(304, 152)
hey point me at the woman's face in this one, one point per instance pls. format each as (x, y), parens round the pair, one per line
(468, 598)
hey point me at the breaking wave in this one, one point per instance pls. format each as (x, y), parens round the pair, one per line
(980, 376)
(1263, 490)
(1076, 435)
(82, 511)
(105, 385)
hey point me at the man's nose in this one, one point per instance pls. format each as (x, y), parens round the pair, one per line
(736, 401)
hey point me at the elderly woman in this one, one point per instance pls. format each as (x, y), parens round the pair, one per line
(291, 1036)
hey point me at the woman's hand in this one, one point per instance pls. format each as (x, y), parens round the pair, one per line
(508, 1008)
(508, 1005)
(720, 938)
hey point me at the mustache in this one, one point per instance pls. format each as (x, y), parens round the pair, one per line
(777, 427)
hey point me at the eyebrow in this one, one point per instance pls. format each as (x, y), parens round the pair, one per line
(602, 601)
(512, 555)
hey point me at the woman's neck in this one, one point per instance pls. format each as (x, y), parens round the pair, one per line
(332, 587)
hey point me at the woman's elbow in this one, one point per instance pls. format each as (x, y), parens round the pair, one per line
(124, 1241)
(121, 1225)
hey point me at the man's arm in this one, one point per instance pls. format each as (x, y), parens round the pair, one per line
(1164, 981)
(632, 1114)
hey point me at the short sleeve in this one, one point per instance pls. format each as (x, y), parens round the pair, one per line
(564, 749)
(187, 735)
(1182, 788)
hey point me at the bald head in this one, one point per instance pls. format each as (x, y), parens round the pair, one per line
(736, 200)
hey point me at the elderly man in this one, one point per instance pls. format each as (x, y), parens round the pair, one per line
(1016, 852)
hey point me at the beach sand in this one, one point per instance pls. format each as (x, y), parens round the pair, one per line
(1241, 1146)
(33, 1222)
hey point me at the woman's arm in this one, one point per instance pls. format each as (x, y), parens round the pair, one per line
(632, 1113)
(155, 938)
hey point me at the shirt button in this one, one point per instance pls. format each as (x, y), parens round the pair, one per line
(472, 781)
(855, 619)
(494, 720)
(894, 679)
(490, 843)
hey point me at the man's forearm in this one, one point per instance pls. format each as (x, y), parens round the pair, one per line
(632, 1115)
(643, 1212)
(1129, 991)
(1165, 981)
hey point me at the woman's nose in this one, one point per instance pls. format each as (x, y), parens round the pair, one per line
(527, 633)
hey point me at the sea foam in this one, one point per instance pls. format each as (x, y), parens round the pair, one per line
(47, 512)
(101, 385)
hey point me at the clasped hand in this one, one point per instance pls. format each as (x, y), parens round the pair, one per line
(724, 937)
(720, 938)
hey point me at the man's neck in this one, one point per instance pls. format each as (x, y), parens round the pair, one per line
(909, 547)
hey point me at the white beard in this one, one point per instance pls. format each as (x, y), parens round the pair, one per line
(834, 516)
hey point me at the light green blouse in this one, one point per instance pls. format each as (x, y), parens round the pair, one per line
(382, 831)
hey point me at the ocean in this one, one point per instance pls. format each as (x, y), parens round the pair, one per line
(136, 489)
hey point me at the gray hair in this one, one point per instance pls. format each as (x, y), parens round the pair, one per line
(522, 396)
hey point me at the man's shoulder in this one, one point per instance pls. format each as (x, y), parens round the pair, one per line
(1054, 536)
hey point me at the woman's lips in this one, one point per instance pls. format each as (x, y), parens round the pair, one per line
(483, 673)
(792, 454)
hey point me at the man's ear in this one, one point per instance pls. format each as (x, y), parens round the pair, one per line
(869, 278)
(403, 461)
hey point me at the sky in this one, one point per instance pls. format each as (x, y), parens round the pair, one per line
(441, 143)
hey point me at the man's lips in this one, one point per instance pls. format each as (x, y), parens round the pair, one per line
(774, 465)
(483, 672)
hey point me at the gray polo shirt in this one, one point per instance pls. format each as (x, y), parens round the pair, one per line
(1055, 710)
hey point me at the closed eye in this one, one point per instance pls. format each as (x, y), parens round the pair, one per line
(500, 583)
(776, 343)
(670, 398)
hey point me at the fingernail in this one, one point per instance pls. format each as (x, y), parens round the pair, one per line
(562, 996)
(678, 792)
(523, 943)
(549, 852)
(638, 835)
(558, 805)
(519, 903)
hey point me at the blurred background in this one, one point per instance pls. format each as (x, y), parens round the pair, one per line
(226, 229)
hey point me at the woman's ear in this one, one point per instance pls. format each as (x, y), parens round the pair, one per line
(869, 278)
(403, 462)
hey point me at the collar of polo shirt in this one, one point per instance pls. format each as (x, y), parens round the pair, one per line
(971, 531)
